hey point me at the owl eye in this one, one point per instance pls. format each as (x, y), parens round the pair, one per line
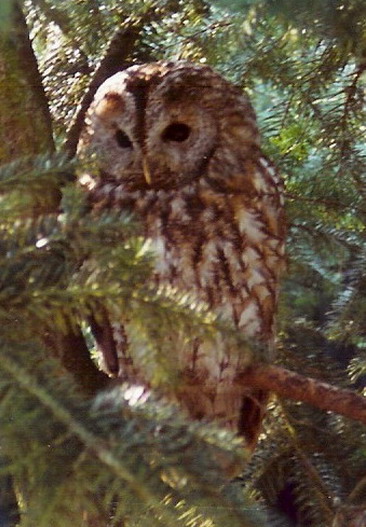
(123, 140)
(177, 132)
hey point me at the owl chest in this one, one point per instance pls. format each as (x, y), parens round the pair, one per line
(205, 248)
(193, 257)
(192, 250)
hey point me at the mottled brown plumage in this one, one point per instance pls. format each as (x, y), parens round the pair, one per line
(179, 146)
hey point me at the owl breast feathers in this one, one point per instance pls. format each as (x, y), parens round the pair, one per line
(178, 145)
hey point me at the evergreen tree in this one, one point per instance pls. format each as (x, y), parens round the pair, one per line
(76, 451)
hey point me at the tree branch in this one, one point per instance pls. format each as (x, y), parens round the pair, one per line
(291, 385)
(115, 59)
(124, 48)
(61, 19)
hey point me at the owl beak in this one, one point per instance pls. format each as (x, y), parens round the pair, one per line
(146, 170)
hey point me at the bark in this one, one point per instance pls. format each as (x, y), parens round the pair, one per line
(25, 130)
(25, 122)
(291, 385)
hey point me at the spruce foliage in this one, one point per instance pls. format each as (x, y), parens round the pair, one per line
(78, 453)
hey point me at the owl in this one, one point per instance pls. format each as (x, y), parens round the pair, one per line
(178, 146)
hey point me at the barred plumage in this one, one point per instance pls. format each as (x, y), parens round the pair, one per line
(178, 145)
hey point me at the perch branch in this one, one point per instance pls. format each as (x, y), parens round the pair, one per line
(291, 385)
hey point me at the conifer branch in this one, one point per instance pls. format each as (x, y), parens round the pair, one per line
(143, 452)
(291, 385)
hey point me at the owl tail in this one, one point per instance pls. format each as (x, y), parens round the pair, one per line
(251, 415)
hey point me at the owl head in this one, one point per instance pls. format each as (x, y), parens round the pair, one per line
(166, 124)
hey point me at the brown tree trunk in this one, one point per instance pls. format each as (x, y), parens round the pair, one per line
(26, 130)
(25, 121)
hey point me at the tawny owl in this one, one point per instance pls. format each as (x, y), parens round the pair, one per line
(178, 145)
